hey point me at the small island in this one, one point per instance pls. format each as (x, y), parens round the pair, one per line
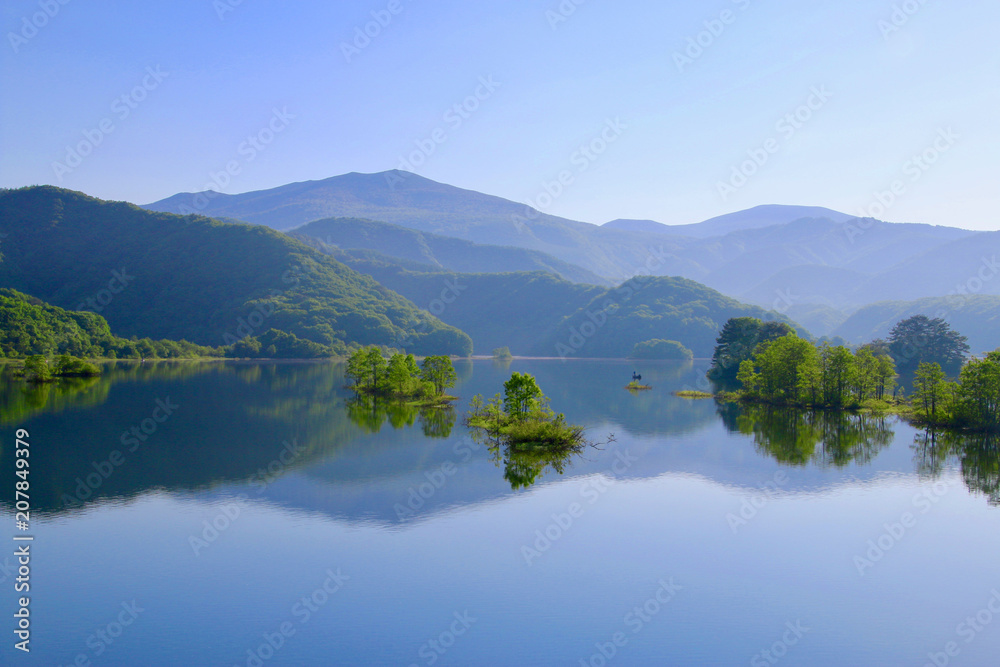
(502, 354)
(400, 378)
(36, 368)
(635, 385)
(693, 393)
(521, 418)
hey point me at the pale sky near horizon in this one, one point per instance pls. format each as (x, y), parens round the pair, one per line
(139, 101)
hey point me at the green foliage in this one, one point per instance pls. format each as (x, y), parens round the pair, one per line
(971, 403)
(502, 353)
(193, 278)
(522, 432)
(658, 348)
(920, 339)
(68, 366)
(737, 343)
(799, 437)
(521, 396)
(439, 371)
(36, 369)
(399, 377)
(793, 371)
(29, 326)
(275, 344)
(932, 393)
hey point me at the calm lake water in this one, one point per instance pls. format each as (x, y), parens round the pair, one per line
(267, 520)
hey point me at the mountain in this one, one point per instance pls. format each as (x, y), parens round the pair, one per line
(419, 203)
(643, 226)
(437, 252)
(767, 215)
(976, 316)
(190, 277)
(767, 255)
(752, 218)
(539, 314)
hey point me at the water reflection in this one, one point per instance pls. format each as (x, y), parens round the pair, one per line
(801, 437)
(371, 412)
(525, 464)
(239, 422)
(977, 455)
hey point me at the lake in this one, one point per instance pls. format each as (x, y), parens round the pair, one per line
(230, 513)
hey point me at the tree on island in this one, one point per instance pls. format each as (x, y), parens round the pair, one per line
(502, 353)
(36, 368)
(737, 342)
(525, 436)
(399, 377)
(521, 396)
(366, 368)
(439, 371)
(794, 371)
(920, 339)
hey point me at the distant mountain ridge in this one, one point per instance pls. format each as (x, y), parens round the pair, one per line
(438, 252)
(752, 218)
(775, 256)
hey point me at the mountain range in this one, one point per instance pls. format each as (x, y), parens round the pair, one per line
(402, 261)
(773, 256)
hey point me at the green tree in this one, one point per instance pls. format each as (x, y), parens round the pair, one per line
(920, 339)
(366, 369)
(521, 396)
(737, 343)
(749, 379)
(979, 392)
(779, 364)
(885, 375)
(439, 370)
(838, 371)
(36, 369)
(931, 392)
(398, 374)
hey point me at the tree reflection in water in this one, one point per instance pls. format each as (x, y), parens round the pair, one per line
(977, 455)
(799, 437)
(371, 412)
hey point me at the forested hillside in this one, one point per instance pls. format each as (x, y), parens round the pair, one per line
(539, 314)
(31, 326)
(160, 275)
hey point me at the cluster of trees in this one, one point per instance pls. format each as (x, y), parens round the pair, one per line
(737, 342)
(399, 376)
(521, 417)
(275, 344)
(794, 371)
(37, 369)
(971, 402)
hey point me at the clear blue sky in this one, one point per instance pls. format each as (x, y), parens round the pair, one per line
(683, 127)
